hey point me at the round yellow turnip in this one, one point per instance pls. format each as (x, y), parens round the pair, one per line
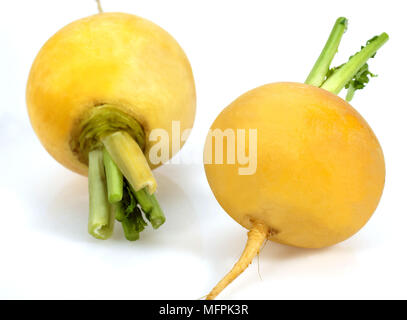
(96, 91)
(313, 171)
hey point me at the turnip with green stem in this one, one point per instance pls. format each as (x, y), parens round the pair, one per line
(320, 169)
(95, 92)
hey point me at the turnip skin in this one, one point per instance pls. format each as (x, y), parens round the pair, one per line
(130, 63)
(320, 172)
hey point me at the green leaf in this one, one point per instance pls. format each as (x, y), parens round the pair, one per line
(360, 79)
(133, 225)
(129, 202)
(133, 222)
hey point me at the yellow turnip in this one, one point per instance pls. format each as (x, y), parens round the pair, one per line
(101, 85)
(319, 169)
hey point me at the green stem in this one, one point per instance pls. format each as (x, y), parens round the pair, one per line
(321, 67)
(129, 229)
(144, 199)
(351, 92)
(114, 179)
(150, 207)
(99, 122)
(133, 224)
(118, 211)
(112, 143)
(131, 160)
(156, 216)
(343, 75)
(101, 220)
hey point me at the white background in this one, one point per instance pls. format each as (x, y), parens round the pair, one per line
(233, 46)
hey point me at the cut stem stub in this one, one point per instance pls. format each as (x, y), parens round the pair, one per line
(111, 199)
(255, 238)
(120, 179)
(114, 179)
(150, 207)
(101, 220)
(131, 161)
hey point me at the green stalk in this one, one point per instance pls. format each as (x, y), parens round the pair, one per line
(156, 216)
(133, 224)
(131, 160)
(114, 179)
(351, 92)
(321, 67)
(118, 211)
(129, 229)
(101, 222)
(344, 74)
(150, 207)
(144, 200)
(112, 143)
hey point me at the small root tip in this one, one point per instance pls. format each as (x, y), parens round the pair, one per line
(256, 237)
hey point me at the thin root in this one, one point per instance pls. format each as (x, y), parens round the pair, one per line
(99, 6)
(258, 260)
(256, 237)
